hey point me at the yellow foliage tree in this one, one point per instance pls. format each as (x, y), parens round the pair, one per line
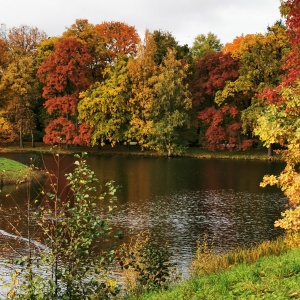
(142, 71)
(281, 124)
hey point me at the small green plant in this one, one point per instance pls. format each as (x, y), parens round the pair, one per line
(145, 266)
(71, 267)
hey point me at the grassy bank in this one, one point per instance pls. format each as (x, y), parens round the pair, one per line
(196, 152)
(12, 171)
(270, 277)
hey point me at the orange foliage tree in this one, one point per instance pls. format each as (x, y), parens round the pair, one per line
(120, 38)
(65, 73)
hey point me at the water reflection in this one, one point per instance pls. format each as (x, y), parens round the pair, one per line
(180, 199)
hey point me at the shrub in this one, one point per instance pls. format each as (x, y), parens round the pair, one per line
(145, 266)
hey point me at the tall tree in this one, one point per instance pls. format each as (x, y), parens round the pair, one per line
(65, 73)
(4, 61)
(104, 107)
(279, 122)
(261, 58)
(170, 113)
(215, 125)
(204, 44)
(238, 46)
(20, 86)
(24, 39)
(164, 41)
(87, 34)
(45, 48)
(141, 71)
(120, 39)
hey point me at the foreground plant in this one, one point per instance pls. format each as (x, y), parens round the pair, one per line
(145, 266)
(71, 267)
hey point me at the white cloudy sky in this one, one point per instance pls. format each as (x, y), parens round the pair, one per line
(185, 19)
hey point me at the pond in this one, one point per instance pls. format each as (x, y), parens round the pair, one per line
(179, 200)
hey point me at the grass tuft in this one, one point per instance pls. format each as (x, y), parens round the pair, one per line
(12, 172)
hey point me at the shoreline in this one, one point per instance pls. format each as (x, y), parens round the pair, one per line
(192, 152)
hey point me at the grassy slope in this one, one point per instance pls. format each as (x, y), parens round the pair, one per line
(271, 277)
(12, 171)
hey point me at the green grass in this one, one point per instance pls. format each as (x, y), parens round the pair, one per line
(270, 277)
(12, 171)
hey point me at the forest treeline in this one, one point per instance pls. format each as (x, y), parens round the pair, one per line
(103, 83)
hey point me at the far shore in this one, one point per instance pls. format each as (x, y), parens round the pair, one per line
(195, 152)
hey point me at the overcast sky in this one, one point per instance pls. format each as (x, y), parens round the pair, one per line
(185, 19)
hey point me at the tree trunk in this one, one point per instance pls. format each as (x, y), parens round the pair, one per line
(271, 150)
(32, 139)
(21, 138)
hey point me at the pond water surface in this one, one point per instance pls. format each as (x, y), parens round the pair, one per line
(179, 200)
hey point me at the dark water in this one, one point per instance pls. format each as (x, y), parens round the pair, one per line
(179, 200)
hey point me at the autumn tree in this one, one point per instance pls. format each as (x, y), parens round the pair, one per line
(4, 61)
(170, 113)
(279, 122)
(24, 39)
(3, 55)
(21, 89)
(18, 83)
(45, 48)
(87, 34)
(215, 125)
(261, 58)
(204, 44)
(7, 132)
(141, 71)
(104, 106)
(65, 73)
(238, 46)
(120, 39)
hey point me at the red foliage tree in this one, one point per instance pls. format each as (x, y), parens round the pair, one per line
(292, 61)
(219, 124)
(60, 131)
(223, 127)
(65, 73)
(210, 74)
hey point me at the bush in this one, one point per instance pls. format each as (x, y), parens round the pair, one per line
(145, 266)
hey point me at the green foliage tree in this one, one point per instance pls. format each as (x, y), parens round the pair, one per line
(164, 40)
(170, 113)
(204, 44)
